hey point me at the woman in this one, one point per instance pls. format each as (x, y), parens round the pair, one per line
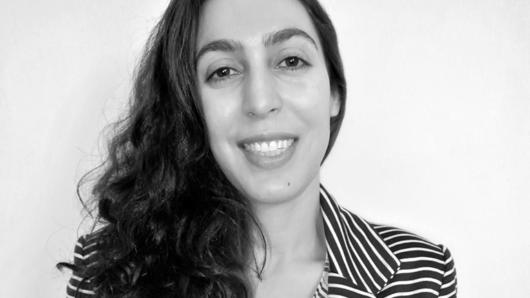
(212, 186)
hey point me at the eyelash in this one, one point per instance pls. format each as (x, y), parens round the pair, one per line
(304, 63)
(218, 71)
(215, 75)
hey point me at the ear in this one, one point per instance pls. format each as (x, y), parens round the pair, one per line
(334, 107)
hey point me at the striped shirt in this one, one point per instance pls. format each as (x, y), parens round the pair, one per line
(363, 260)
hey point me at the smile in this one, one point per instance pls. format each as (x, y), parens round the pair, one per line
(269, 151)
(271, 148)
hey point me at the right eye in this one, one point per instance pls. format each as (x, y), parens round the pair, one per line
(221, 74)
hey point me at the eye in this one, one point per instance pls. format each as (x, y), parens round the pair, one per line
(293, 63)
(222, 73)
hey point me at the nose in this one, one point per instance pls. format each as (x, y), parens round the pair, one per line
(261, 98)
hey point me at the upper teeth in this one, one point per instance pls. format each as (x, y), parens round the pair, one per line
(272, 146)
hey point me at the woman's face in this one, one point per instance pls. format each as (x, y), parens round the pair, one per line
(266, 96)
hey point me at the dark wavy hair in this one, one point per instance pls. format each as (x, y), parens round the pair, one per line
(172, 224)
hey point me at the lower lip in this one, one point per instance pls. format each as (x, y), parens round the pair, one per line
(270, 162)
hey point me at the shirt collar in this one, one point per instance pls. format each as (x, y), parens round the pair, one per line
(360, 263)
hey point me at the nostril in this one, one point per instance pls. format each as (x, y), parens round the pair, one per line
(273, 110)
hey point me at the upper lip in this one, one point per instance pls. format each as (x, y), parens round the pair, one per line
(266, 137)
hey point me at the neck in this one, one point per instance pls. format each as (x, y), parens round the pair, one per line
(293, 229)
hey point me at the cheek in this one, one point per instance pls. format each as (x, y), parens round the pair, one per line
(218, 114)
(309, 98)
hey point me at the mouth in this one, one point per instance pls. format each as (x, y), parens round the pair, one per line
(269, 151)
(271, 148)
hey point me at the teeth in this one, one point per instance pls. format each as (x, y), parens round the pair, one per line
(271, 148)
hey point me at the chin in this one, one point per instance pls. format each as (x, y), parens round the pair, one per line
(272, 194)
(274, 190)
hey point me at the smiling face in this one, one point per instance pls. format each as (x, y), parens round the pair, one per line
(266, 96)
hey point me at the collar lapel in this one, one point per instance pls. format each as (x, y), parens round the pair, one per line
(360, 263)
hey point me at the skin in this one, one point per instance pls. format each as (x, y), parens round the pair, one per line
(254, 87)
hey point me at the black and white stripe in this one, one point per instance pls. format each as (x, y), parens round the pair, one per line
(84, 252)
(368, 260)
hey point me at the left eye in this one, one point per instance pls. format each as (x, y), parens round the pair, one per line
(292, 62)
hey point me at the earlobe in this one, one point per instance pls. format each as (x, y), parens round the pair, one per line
(334, 107)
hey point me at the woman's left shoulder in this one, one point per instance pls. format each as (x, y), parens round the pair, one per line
(384, 260)
(411, 248)
(408, 263)
(422, 262)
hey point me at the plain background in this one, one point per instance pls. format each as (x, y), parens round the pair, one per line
(436, 138)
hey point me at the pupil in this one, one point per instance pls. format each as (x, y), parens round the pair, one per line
(222, 72)
(292, 61)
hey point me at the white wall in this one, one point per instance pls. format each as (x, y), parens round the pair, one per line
(436, 138)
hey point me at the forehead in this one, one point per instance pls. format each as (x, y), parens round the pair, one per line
(248, 21)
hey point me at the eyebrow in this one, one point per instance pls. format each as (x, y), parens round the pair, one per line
(271, 39)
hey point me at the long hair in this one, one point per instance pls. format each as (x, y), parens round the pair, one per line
(173, 225)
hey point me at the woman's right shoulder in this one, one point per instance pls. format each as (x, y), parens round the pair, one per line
(85, 252)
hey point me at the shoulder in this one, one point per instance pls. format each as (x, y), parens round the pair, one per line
(85, 253)
(424, 267)
(86, 249)
(423, 264)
